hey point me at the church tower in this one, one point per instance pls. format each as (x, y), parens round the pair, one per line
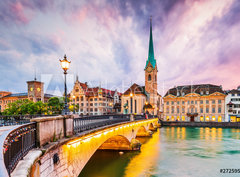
(151, 71)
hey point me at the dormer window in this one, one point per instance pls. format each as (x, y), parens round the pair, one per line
(183, 93)
(201, 93)
(178, 93)
(207, 92)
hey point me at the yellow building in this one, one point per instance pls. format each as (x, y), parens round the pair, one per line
(204, 102)
(140, 99)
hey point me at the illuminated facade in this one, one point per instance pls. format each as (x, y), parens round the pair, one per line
(35, 93)
(204, 102)
(232, 106)
(94, 101)
(140, 99)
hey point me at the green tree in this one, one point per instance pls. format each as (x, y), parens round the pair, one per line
(55, 105)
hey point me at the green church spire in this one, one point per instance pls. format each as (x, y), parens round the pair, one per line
(151, 58)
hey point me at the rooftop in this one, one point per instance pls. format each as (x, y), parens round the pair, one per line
(201, 89)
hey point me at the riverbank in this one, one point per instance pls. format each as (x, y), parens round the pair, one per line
(201, 124)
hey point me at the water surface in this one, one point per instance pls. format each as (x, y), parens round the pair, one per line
(172, 151)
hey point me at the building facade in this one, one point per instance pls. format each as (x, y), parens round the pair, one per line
(141, 99)
(95, 100)
(204, 102)
(35, 93)
(232, 106)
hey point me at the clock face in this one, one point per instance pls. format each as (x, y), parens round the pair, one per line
(149, 69)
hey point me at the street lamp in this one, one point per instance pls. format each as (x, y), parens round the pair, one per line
(65, 66)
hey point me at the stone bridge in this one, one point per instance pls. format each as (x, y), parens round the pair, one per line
(71, 156)
(66, 143)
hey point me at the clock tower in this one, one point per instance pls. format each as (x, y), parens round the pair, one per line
(151, 71)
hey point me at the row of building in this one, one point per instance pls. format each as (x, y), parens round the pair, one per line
(205, 102)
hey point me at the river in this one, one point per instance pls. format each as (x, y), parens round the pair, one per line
(173, 151)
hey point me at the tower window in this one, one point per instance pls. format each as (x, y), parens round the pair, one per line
(149, 77)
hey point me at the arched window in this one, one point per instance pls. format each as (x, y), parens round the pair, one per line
(149, 77)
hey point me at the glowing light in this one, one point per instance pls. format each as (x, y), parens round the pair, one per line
(97, 136)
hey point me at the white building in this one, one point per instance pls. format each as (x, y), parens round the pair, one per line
(232, 106)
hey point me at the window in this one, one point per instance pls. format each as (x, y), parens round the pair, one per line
(207, 92)
(213, 109)
(135, 106)
(172, 103)
(172, 109)
(95, 99)
(201, 93)
(76, 90)
(77, 98)
(219, 109)
(207, 101)
(167, 102)
(178, 102)
(195, 102)
(192, 109)
(149, 77)
(155, 78)
(167, 110)
(96, 109)
(188, 102)
(201, 110)
(82, 104)
(183, 110)
(177, 110)
(213, 101)
(91, 104)
(95, 104)
(183, 93)
(233, 94)
(81, 98)
(91, 99)
(192, 102)
(219, 101)
(201, 101)
(183, 102)
(207, 109)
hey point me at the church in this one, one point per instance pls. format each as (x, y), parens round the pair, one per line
(144, 99)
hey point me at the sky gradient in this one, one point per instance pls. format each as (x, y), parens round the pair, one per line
(195, 42)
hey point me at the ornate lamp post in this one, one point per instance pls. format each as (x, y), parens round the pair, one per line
(65, 66)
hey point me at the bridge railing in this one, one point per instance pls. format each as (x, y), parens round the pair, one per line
(87, 123)
(15, 144)
(9, 120)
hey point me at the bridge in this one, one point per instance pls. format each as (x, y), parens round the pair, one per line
(66, 143)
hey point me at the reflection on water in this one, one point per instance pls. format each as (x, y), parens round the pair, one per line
(173, 151)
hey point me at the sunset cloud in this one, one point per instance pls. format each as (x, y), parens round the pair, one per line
(107, 42)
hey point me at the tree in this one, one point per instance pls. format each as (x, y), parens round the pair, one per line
(55, 105)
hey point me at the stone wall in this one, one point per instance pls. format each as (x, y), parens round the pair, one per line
(53, 128)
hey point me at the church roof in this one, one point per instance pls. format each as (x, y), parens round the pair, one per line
(151, 58)
(135, 89)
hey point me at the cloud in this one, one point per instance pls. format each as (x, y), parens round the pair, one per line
(107, 42)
